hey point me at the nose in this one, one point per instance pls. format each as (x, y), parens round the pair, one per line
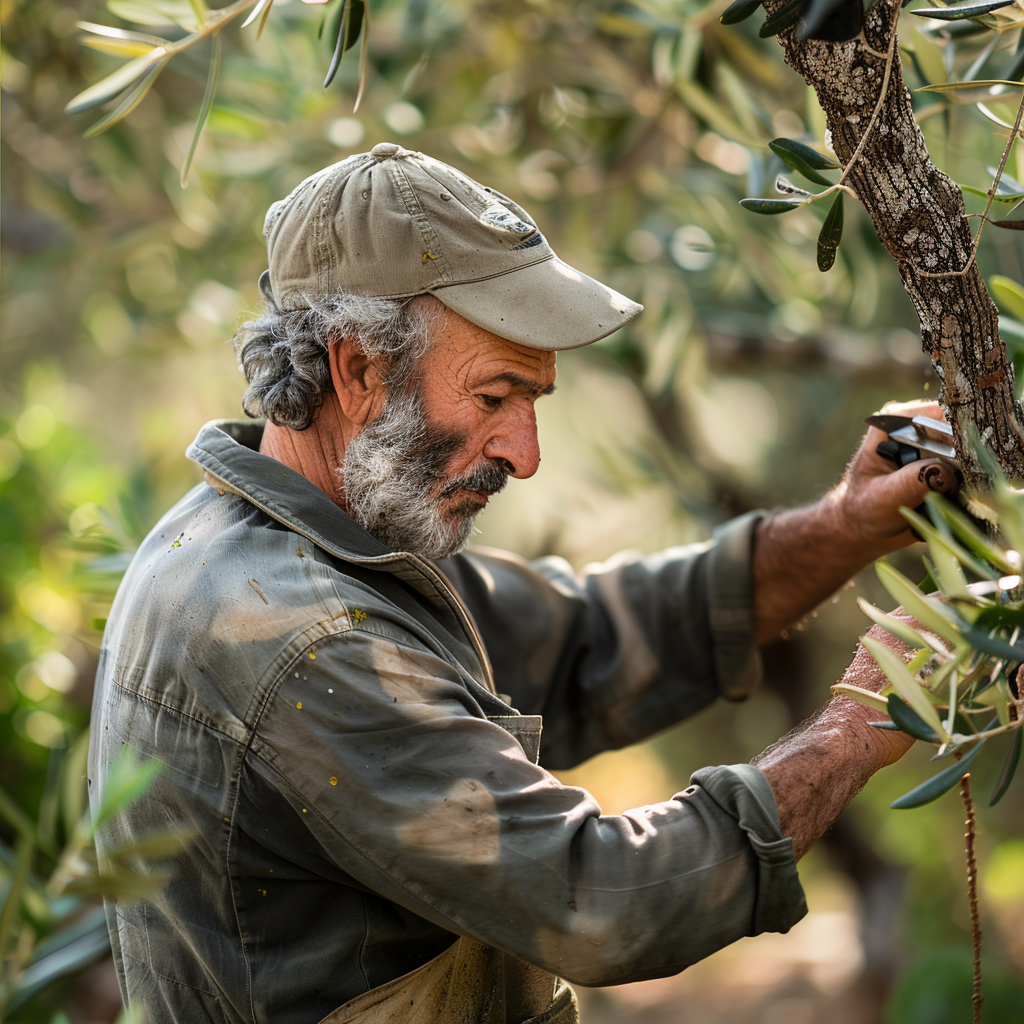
(516, 446)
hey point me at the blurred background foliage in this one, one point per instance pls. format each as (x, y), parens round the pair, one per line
(630, 128)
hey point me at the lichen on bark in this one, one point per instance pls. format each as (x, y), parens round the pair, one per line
(918, 214)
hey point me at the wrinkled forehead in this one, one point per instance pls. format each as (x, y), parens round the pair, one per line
(464, 350)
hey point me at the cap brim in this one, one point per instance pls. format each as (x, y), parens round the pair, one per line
(546, 305)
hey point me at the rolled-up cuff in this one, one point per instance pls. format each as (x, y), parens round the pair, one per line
(730, 590)
(742, 791)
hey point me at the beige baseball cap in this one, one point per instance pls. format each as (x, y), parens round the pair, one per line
(394, 223)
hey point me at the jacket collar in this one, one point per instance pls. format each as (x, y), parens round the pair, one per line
(227, 452)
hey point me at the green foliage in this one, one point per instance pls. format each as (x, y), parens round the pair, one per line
(967, 669)
(51, 926)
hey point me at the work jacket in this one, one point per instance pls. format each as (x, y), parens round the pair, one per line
(348, 737)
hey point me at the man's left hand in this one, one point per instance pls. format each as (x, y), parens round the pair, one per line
(869, 497)
(802, 555)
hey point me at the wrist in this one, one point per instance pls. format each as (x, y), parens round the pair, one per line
(876, 748)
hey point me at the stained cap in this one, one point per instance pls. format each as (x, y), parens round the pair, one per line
(395, 223)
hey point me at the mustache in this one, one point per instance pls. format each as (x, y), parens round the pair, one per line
(488, 476)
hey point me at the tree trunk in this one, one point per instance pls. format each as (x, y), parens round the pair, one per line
(918, 213)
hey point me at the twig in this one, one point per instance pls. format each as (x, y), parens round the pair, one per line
(977, 998)
(833, 188)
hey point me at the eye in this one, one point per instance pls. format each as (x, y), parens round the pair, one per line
(492, 401)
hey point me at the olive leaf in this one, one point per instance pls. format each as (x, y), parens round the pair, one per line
(262, 8)
(943, 511)
(803, 159)
(963, 12)
(126, 781)
(909, 721)
(831, 234)
(117, 41)
(785, 17)
(204, 110)
(69, 951)
(114, 84)
(128, 104)
(866, 697)
(992, 645)
(946, 554)
(772, 206)
(969, 92)
(934, 787)
(999, 197)
(927, 611)
(349, 25)
(739, 10)
(906, 685)
(900, 629)
(1009, 767)
(182, 13)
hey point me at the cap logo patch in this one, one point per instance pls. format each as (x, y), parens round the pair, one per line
(530, 242)
(501, 218)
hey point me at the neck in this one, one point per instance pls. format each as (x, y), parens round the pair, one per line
(316, 452)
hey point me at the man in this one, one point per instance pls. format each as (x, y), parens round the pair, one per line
(349, 711)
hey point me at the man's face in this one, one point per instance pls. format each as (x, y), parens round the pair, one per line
(417, 476)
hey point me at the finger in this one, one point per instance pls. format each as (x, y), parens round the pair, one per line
(916, 407)
(911, 485)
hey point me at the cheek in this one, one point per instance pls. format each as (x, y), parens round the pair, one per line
(468, 455)
(466, 427)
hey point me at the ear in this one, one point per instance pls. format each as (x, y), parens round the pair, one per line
(357, 379)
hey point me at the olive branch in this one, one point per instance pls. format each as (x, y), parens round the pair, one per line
(148, 54)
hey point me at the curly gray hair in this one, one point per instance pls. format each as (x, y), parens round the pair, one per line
(283, 354)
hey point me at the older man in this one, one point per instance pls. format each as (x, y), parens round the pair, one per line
(349, 711)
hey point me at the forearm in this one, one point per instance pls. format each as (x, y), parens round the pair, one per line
(801, 556)
(820, 767)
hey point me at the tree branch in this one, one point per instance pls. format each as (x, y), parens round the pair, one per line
(918, 214)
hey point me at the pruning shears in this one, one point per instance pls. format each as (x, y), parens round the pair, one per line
(920, 437)
(915, 437)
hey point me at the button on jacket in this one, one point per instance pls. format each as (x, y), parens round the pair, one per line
(344, 731)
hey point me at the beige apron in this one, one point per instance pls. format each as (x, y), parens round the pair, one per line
(470, 983)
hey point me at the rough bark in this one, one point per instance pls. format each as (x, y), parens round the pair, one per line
(918, 213)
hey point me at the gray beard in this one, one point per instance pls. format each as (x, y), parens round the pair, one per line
(394, 481)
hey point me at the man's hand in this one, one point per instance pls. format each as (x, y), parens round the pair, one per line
(818, 769)
(869, 496)
(802, 555)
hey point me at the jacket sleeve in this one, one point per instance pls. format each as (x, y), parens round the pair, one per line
(386, 758)
(622, 650)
